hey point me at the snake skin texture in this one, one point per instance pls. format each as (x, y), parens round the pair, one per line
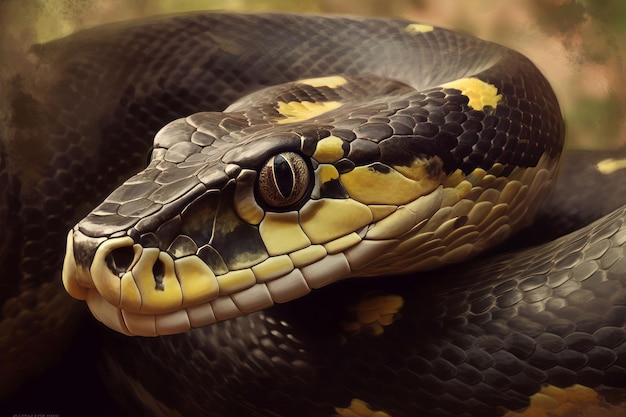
(551, 315)
(433, 138)
(458, 348)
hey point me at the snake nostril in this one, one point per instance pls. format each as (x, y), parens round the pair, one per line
(120, 259)
(158, 270)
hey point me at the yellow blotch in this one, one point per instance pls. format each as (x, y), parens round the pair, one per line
(281, 233)
(369, 186)
(480, 93)
(107, 283)
(329, 149)
(245, 204)
(358, 408)
(327, 219)
(131, 297)
(609, 166)
(299, 111)
(326, 172)
(197, 280)
(162, 299)
(372, 313)
(552, 401)
(418, 28)
(332, 81)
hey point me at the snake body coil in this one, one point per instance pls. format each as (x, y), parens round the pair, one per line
(327, 148)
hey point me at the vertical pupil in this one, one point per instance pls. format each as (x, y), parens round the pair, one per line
(283, 175)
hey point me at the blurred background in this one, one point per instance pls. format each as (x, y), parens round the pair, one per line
(578, 44)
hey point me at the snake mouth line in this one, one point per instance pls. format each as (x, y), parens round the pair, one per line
(211, 298)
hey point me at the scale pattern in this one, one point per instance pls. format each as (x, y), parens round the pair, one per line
(492, 122)
(480, 349)
(550, 315)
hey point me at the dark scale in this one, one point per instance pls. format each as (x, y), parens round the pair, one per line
(198, 218)
(143, 207)
(343, 134)
(303, 92)
(168, 231)
(244, 251)
(374, 131)
(266, 144)
(333, 189)
(213, 259)
(344, 165)
(182, 246)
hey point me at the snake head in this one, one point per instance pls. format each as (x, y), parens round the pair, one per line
(274, 197)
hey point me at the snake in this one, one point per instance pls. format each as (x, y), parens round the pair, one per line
(298, 240)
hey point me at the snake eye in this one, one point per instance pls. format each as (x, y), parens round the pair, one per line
(284, 180)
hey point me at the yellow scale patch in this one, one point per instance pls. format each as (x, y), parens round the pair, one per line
(130, 293)
(358, 408)
(107, 284)
(235, 281)
(418, 28)
(372, 313)
(578, 400)
(154, 300)
(342, 243)
(329, 149)
(332, 81)
(609, 166)
(327, 172)
(369, 186)
(480, 93)
(327, 219)
(197, 280)
(273, 267)
(307, 255)
(299, 111)
(281, 233)
(245, 204)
